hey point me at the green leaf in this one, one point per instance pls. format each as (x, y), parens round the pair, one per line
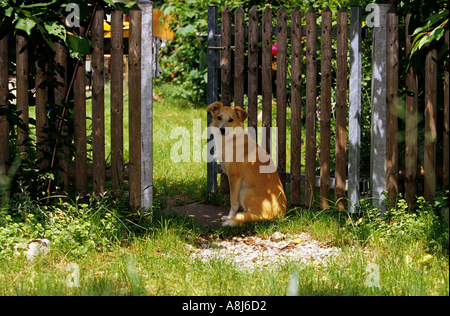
(25, 24)
(78, 46)
(183, 31)
(56, 29)
(438, 32)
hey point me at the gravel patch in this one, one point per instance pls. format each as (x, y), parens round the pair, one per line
(254, 251)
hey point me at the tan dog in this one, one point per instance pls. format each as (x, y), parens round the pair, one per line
(252, 175)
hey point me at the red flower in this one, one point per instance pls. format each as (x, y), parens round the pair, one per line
(274, 49)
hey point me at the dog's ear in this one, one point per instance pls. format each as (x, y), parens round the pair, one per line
(241, 113)
(214, 107)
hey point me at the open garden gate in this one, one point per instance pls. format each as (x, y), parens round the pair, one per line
(384, 169)
(219, 58)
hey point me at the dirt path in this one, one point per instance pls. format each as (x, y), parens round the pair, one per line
(205, 214)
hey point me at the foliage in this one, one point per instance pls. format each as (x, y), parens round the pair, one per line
(43, 24)
(74, 227)
(400, 223)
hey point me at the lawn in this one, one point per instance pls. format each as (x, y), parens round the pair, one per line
(101, 248)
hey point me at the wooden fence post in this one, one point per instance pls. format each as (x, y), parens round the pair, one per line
(445, 171)
(392, 66)
(341, 109)
(98, 103)
(325, 108)
(253, 39)
(41, 113)
(79, 98)
(411, 125)
(378, 100)
(213, 86)
(430, 123)
(266, 78)
(354, 120)
(281, 93)
(22, 89)
(311, 93)
(239, 44)
(134, 107)
(60, 93)
(116, 98)
(225, 58)
(4, 91)
(296, 106)
(147, 103)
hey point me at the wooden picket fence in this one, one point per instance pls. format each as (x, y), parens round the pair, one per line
(224, 39)
(81, 170)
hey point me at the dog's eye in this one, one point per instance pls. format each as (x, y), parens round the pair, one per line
(230, 120)
(219, 118)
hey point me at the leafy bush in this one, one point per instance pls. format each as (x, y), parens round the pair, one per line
(399, 223)
(72, 227)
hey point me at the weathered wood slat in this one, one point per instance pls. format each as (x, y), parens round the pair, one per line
(253, 40)
(239, 44)
(311, 94)
(22, 89)
(225, 60)
(60, 93)
(98, 103)
(411, 127)
(341, 109)
(392, 64)
(446, 138)
(430, 123)
(134, 106)
(325, 108)
(281, 93)
(267, 79)
(4, 91)
(79, 98)
(296, 107)
(41, 113)
(117, 97)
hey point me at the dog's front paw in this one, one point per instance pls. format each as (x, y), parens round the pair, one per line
(225, 218)
(229, 223)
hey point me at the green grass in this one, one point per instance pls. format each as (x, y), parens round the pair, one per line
(152, 259)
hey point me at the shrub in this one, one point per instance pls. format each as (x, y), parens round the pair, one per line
(401, 224)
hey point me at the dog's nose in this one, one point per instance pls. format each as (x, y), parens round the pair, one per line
(222, 128)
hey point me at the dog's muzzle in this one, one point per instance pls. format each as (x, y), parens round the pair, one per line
(222, 128)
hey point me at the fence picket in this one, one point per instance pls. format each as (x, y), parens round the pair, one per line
(325, 108)
(281, 92)
(4, 103)
(80, 141)
(134, 105)
(60, 92)
(411, 127)
(267, 78)
(117, 98)
(253, 39)
(239, 44)
(446, 138)
(296, 106)
(22, 90)
(341, 108)
(392, 60)
(311, 94)
(98, 103)
(225, 60)
(430, 123)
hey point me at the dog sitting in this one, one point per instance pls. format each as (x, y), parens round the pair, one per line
(254, 181)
